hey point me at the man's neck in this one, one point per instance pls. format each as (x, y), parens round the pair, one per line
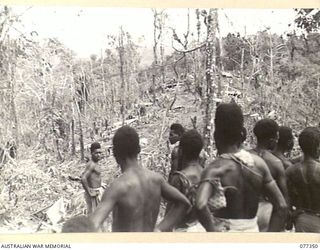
(279, 151)
(309, 158)
(228, 149)
(261, 147)
(94, 162)
(128, 164)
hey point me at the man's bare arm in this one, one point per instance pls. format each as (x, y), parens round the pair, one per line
(282, 182)
(204, 216)
(206, 220)
(291, 189)
(173, 217)
(271, 190)
(84, 178)
(174, 162)
(176, 211)
(205, 191)
(279, 212)
(108, 201)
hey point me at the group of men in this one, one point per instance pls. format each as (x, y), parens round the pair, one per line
(238, 191)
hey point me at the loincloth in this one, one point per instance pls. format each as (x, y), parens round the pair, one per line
(264, 215)
(236, 225)
(93, 201)
(99, 193)
(194, 227)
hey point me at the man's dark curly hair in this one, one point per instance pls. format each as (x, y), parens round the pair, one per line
(309, 141)
(228, 123)
(265, 129)
(126, 143)
(285, 135)
(191, 144)
(177, 128)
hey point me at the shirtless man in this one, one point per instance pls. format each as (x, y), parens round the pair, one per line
(134, 198)
(232, 184)
(176, 131)
(285, 144)
(186, 181)
(304, 183)
(91, 178)
(267, 132)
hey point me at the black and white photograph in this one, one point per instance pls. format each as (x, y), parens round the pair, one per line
(159, 120)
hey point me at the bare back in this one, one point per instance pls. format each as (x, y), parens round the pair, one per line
(286, 163)
(304, 185)
(276, 168)
(242, 186)
(138, 207)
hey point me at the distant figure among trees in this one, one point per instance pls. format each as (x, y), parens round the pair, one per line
(176, 131)
(91, 178)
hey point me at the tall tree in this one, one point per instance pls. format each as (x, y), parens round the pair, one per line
(211, 20)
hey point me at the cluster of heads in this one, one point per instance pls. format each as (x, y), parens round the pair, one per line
(229, 130)
(190, 141)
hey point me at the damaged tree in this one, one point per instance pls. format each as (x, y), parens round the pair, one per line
(211, 21)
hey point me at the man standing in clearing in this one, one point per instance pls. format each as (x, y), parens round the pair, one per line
(304, 183)
(232, 184)
(178, 218)
(285, 144)
(176, 131)
(267, 133)
(91, 178)
(134, 198)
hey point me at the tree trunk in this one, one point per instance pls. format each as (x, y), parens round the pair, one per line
(210, 76)
(153, 88)
(13, 105)
(73, 146)
(80, 132)
(241, 68)
(123, 89)
(81, 137)
(271, 60)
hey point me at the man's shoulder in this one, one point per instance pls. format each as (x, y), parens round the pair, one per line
(272, 160)
(219, 166)
(286, 163)
(293, 169)
(90, 166)
(152, 175)
(257, 159)
(270, 156)
(317, 171)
